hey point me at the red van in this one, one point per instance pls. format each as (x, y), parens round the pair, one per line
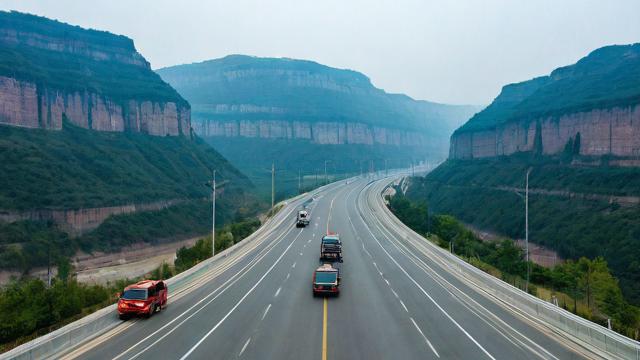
(143, 298)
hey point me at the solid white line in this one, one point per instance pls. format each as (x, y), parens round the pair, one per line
(427, 294)
(387, 281)
(403, 305)
(265, 312)
(424, 337)
(395, 293)
(244, 347)
(484, 317)
(241, 300)
(277, 292)
(235, 278)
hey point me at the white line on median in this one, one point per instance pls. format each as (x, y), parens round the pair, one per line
(244, 347)
(424, 337)
(265, 312)
(403, 305)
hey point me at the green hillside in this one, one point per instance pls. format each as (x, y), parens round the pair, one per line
(606, 78)
(77, 168)
(583, 224)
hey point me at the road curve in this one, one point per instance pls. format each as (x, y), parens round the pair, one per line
(396, 301)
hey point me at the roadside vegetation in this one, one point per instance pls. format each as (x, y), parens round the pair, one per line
(574, 226)
(585, 286)
(29, 308)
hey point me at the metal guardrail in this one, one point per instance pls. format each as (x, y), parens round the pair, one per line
(581, 331)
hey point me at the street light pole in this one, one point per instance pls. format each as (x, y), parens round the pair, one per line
(273, 184)
(325, 172)
(526, 226)
(213, 217)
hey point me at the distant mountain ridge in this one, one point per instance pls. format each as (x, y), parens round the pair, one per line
(97, 80)
(598, 98)
(248, 96)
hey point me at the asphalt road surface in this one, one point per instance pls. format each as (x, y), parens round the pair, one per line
(395, 302)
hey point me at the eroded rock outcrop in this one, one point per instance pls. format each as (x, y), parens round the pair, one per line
(94, 79)
(591, 108)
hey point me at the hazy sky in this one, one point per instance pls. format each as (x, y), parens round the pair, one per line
(449, 51)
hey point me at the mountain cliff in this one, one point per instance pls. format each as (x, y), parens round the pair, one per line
(243, 96)
(596, 100)
(96, 80)
(96, 151)
(302, 114)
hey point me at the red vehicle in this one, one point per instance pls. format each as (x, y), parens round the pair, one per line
(326, 280)
(143, 298)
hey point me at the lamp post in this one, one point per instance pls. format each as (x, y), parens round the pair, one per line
(212, 183)
(526, 226)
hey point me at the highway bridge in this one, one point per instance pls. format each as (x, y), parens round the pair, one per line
(401, 298)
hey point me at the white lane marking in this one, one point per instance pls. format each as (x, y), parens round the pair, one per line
(300, 254)
(265, 312)
(329, 217)
(387, 281)
(244, 347)
(310, 239)
(427, 294)
(294, 265)
(403, 305)
(395, 293)
(277, 292)
(235, 278)
(314, 235)
(484, 317)
(288, 274)
(424, 337)
(241, 299)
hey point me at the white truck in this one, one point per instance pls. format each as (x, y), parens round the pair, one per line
(302, 219)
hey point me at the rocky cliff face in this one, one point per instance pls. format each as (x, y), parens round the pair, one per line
(243, 96)
(613, 131)
(27, 105)
(317, 132)
(96, 80)
(597, 101)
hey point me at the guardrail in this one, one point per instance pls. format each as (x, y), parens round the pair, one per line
(585, 333)
(105, 319)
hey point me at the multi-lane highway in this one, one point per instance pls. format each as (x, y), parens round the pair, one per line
(396, 302)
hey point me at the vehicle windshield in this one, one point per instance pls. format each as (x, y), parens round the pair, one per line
(135, 294)
(326, 277)
(330, 240)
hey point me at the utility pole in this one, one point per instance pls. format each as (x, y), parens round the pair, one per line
(213, 216)
(526, 226)
(325, 172)
(273, 184)
(49, 264)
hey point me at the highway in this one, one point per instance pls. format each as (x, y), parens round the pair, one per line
(396, 301)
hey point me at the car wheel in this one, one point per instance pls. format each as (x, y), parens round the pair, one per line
(123, 316)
